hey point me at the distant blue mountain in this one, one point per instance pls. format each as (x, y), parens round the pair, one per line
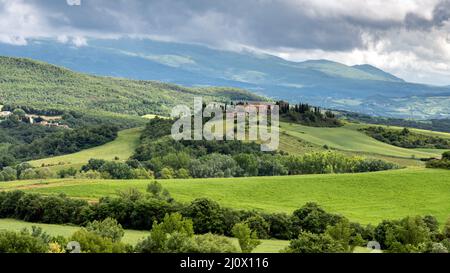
(376, 71)
(361, 88)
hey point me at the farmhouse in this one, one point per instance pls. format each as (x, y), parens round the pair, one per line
(46, 121)
(5, 114)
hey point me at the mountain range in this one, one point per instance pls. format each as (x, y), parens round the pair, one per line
(361, 88)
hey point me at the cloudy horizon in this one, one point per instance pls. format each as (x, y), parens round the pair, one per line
(407, 38)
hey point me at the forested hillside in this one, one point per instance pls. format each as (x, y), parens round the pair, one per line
(25, 82)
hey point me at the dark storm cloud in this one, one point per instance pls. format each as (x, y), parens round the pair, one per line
(258, 23)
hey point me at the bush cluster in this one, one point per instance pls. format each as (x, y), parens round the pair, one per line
(443, 163)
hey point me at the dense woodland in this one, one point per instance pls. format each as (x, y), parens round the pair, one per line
(173, 225)
(43, 86)
(23, 141)
(406, 138)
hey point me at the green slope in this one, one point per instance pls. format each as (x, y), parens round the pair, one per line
(348, 138)
(43, 86)
(366, 198)
(295, 139)
(123, 147)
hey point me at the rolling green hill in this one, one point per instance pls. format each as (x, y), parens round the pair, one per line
(294, 139)
(43, 86)
(365, 198)
(123, 147)
(348, 138)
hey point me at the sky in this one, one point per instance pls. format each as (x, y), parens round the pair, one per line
(409, 38)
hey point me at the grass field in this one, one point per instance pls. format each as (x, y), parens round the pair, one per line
(131, 237)
(123, 147)
(348, 138)
(365, 198)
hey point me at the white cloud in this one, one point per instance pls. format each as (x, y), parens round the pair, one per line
(18, 21)
(79, 41)
(63, 39)
(74, 2)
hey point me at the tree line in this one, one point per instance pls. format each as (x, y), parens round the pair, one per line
(308, 115)
(197, 227)
(406, 138)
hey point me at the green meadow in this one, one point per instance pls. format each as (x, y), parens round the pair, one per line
(122, 148)
(348, 138)
(365, 198)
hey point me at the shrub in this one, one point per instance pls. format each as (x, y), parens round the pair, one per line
(92, 175)
(439, 164)
(308, 242)
(182, 174)
(167, 173)
(108, 228)
(28, 174)
(342, 233)
(93, 243)
(406, 236)
(93, 165)
(13, 242)
(66, 173)
(272, 166)
(210, 243)
(248, 240)
(280, 225)
(444, 163)
(141, 173)
(117, 170)
(259, 225)
(446, 156)
(206, 215)
(438, 248)
(248, 163)
(173, 235)
(8, 174)
(313, 218)
(446, 231)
